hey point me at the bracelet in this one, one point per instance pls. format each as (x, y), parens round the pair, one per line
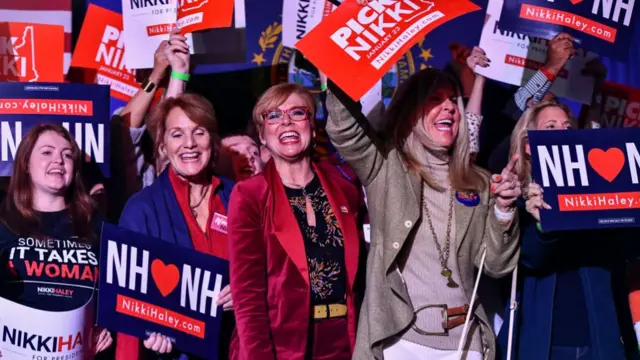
(503, 216)
(180, 76)
(323, 86)
(539, 227)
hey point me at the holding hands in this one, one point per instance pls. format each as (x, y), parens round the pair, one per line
(102, 340)
(224, 299)
(535, 201)
(506, 187)
(177, 52)
(158, 343)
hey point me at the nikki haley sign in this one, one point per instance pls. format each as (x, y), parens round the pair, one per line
(602, 26)
(590, 177)
(148, 285)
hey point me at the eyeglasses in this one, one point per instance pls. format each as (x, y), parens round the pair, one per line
(296, 113)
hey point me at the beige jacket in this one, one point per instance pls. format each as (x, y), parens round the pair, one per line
(394, 196)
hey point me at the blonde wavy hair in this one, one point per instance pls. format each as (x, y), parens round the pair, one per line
(520, 137)
(408, 136)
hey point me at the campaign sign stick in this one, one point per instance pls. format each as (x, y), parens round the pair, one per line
(602, 26)
(80, 108)
(149, 285)
(356, 45)
(590, 177)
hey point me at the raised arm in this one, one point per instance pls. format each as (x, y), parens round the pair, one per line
(178, 55)
(560, 50)
(473, 110)
(248, 272)
(353, 136)
(135, 111)
(502, 230)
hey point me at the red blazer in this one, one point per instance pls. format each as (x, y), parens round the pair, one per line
(268, 264)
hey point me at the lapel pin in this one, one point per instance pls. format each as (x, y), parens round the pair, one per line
(344, 209)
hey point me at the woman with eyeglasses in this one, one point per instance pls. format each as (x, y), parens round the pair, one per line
(294, 243)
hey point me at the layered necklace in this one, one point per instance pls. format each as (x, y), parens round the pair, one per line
(443, 251)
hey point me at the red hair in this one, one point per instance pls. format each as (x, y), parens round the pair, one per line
(17, 212)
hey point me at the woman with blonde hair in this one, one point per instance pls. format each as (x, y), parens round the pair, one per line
(434, 222)
(571, 284)
(294, 244)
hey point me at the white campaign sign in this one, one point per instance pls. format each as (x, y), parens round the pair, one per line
(515, 58)
(146, 24)
(27, 333)
(298, 18)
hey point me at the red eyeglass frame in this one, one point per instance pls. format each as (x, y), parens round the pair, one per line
(307, 110)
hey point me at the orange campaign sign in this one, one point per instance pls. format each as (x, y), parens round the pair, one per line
(356, 45)
(100, 46)
(196, 15)
(31, 52)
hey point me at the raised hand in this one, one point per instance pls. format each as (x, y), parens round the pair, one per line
(160, 62)
(560, 51)
(506, 187)
(535, 201)
(177, 52)
(158, 343)
(477, 57)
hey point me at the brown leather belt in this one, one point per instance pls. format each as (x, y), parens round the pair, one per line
(451, 318)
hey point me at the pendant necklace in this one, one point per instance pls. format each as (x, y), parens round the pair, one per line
(443, 254)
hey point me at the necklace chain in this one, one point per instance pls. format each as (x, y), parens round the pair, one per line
(204, 195)
(443, 254)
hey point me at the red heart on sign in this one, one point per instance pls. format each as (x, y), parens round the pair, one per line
(607, 164)
(575, 1)
(166, 277)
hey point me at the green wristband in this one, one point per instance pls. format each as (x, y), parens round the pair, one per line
(539, 227)
(180, 76)
(323, 87)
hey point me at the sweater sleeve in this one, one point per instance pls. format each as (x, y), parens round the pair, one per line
(353, 136)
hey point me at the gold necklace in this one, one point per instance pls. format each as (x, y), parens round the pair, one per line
(443, 254)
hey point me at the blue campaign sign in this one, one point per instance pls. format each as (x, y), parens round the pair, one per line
(148, 285)
(605, 27)
(590, 177)
(81, 109)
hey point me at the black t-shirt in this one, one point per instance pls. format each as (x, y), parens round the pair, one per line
(54, 271)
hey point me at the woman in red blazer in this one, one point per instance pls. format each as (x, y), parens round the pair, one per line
(294, 243)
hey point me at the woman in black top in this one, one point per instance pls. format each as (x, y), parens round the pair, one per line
(49, 253)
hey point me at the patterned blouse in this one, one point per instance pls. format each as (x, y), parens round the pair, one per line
(324, 244)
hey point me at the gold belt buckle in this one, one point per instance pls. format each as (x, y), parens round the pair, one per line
(327, 311)
(445, 320)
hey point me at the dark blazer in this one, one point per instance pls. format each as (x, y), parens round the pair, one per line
(155, 212)
(600, 259)
(268, 264)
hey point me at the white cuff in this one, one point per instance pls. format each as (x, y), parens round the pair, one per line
(503, 216)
